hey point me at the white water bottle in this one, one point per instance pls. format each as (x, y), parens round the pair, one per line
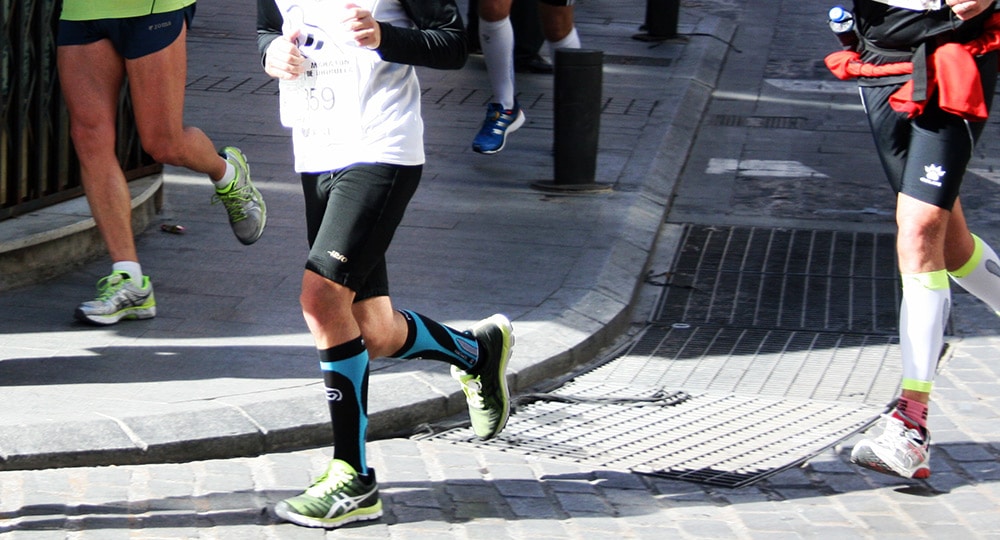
(842, 25)
(291, 100)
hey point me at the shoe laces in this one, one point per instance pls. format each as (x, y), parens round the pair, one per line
(108, 286)
(472, 385)
(896, 428)
(499, 115)
(234, 200)
(332, 480)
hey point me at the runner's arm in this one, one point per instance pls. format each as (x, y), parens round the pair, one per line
(438, 41)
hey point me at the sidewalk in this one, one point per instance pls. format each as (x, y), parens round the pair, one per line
(227, 368)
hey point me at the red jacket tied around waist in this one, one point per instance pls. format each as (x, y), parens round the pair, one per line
(951, 70)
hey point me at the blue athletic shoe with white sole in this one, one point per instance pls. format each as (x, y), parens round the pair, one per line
(498, 124)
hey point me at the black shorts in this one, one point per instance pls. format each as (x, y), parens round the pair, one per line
(132, 37)
(926, 157)
(351, 217)
(558, 2)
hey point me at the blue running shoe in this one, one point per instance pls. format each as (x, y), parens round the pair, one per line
(498, 124)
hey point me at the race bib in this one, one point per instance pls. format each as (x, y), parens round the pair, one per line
(914, 5)
(326, 99)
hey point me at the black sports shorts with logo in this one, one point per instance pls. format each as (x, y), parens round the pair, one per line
(926, 157)
(132, 37)
(351, 217)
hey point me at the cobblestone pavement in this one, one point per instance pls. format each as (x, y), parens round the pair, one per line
(436, 490)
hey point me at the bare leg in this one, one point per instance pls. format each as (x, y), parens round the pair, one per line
(333, 318)
(327, 308)
(921, 238)
(557, 21)
(157, 84)
(958, 245)
(494, 10)
(383, 327)
(92, 76)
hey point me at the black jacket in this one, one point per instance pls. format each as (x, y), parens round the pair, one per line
(899, 29)
(438, 41)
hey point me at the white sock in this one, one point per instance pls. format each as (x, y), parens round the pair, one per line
(132, 268)
(571, 41)
(923, 313)
(497, 42)
(227, 177)
(981, 275)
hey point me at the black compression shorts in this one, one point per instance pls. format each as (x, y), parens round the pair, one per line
(926, 157)
(558, 2)
(351, 217)
(132, 37)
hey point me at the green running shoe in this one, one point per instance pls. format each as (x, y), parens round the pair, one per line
(119, 297)
(244, 204)
(337, 498)
(486, 388)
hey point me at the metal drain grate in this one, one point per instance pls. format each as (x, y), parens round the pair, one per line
(646, 61)
(780, 278)
(762, 401)
(725, 440)
(782, 341)
(764, 122)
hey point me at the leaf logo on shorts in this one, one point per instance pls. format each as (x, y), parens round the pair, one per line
(933, 175)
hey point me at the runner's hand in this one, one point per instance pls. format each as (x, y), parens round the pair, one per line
(362, 27)
(283, 60)
(967, 9)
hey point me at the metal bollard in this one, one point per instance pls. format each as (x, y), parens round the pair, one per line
(577, 118)
(661, 20)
